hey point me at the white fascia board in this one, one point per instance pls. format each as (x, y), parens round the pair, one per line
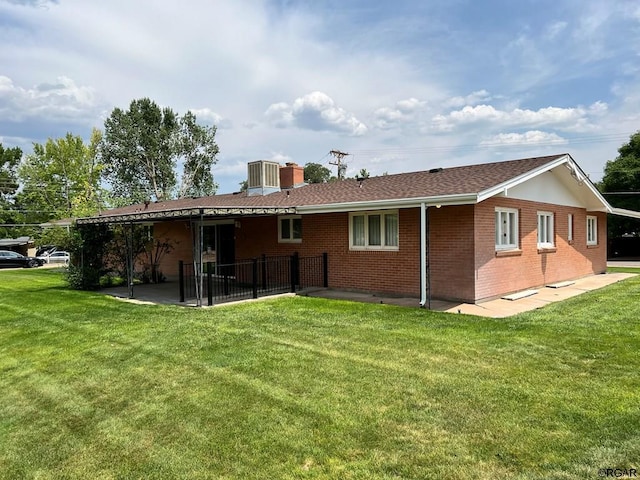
(625, 213)
(505, 186)
(442, 200)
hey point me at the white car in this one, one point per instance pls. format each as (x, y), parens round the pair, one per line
(56, 257)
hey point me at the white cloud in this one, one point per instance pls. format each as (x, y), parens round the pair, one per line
(532, 137)
(209, 116)
(280, 115)
(315, 111)
(471, 99)
(403, 112)
(61, 100)
(563, 118)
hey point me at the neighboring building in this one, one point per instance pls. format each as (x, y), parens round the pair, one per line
(22, 245)
(464, 233)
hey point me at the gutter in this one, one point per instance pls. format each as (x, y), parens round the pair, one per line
(442, 200)
(624, 212)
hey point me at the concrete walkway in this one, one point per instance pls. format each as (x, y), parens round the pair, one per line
(498, 308)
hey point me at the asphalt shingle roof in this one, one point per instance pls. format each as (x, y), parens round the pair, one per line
(470, 179)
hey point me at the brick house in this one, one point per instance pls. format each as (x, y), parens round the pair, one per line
(465, 233)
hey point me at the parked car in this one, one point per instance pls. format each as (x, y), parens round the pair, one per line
(14, 259)
(45, 250)
(56, 257)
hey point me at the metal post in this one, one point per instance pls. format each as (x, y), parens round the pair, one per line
(264, 271)
(201, 267)
(209, 284)
(293, 271)
(254, 279)
(325, 270)
(130, 261)
(181, 279)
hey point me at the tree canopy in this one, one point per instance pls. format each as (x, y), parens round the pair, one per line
(316, 173)
(622, 177)
(144, 146)
(9, 161)
(60, 179)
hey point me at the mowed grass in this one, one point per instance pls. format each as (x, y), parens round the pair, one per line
(92, 387)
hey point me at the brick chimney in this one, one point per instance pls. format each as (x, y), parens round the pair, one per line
(291, 176)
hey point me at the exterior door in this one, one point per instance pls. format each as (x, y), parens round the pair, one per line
(226, 250)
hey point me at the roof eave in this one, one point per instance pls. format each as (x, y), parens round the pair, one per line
(136, 217)
(441, 200)
(564, 159)
(623, 212)
(512, 182)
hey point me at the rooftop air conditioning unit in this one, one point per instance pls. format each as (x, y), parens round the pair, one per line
(263, 177)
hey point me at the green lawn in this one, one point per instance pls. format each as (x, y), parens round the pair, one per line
(92, 387)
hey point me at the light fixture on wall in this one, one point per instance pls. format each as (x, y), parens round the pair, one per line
(237, 224)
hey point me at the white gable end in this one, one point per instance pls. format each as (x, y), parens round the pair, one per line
(545, 188)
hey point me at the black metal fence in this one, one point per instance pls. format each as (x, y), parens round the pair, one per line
(252, 278)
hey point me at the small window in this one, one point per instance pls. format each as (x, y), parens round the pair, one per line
(570, 227)
(506, 228)
(592, 230)
(290, 229)
(545, 230)
(373, 231)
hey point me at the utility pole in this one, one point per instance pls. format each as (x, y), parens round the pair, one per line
(342, 167)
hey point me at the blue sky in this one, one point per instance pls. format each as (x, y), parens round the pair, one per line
(402, 86)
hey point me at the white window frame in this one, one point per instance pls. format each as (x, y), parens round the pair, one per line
(570, 227)
(383, 241)
(510, 231)
(546, 230)
(592, 230)
(291, 238)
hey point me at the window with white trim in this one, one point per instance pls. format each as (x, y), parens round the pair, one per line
(290, 229)
(506, 228)
(570, 227)
(373, 230)
(592, 230)
(545, 230)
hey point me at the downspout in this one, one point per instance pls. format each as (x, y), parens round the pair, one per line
(200, 248)
(130, 260)
(423, 255)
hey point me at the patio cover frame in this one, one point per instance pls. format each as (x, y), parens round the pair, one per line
(195, 216)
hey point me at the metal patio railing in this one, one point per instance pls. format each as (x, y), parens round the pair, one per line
(257, 277)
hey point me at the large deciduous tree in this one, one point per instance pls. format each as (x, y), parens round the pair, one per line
(61, 179)
(145, 146)
(9, 161)
(197, 146)
(622, 177)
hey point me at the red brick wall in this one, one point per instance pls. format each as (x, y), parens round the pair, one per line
(451, 252)
(179, 235)
(464, 265)
(392, 272)
(499, 275)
